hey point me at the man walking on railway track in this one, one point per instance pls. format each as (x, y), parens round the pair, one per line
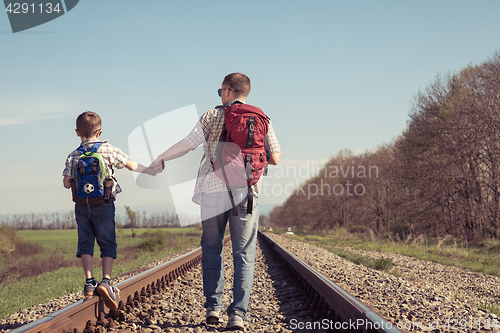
(229, 200)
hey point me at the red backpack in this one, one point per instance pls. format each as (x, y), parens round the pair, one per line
(241, 149)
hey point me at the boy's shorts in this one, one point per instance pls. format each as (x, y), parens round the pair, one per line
(96, 223)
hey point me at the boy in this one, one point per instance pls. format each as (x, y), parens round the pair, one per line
(97, 222)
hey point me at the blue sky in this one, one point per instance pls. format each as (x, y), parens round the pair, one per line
(331, 75)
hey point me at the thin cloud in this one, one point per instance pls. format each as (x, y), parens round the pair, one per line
(27, 109)
(12, 121)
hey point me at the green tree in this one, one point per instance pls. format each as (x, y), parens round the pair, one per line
(132, 218)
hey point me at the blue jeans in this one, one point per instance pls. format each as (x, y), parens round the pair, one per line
(96, 223)
(243, 229)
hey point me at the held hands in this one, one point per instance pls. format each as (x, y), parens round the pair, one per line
(158, 166)
(150, 171)
(137, 167)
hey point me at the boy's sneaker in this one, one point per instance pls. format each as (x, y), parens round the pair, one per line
(235, 322)
(213, 316)
(108, 294)
(89, 288)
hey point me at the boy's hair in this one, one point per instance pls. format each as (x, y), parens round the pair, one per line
(87, 123)
(239, 83)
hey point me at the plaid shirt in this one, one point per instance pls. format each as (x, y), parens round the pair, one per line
(111, 156)
(207, 132)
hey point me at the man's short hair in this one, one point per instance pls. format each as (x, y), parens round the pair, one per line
(87, 123)
(239, 83)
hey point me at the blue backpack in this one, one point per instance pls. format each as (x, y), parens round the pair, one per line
(90, 185)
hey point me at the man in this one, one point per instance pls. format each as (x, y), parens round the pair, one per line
(216, 211)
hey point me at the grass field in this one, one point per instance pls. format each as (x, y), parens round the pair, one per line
(483, 257)
(35, 277)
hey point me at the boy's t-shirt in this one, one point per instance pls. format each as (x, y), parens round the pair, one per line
(111, 156)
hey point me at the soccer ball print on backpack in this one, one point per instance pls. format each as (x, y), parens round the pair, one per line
(90, 186)
(241, 154)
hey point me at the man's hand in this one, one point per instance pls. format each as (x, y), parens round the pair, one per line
(67, 181)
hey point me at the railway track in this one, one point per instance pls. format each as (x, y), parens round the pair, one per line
(333, 308)
(323, 306)
(81, 315)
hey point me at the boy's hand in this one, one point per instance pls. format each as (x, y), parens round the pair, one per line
(67, 181)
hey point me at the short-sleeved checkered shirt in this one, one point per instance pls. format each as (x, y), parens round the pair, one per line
(207, 132)
(111, 156)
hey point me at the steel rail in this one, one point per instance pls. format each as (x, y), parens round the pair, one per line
(75, 317)
(351, 311)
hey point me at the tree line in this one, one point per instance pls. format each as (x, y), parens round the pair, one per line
(441, 176)
(50, 221)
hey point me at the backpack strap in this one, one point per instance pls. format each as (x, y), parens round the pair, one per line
(95, 166)
(250, 200)
(248, 172)
(248, 166)
(251, 130)
(81, 167)
(96, 147)
(223, 133)
(219, 157)
(248, 162)
(82, 150)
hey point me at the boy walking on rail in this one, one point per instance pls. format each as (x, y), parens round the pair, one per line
(89, 174)
(214, 130)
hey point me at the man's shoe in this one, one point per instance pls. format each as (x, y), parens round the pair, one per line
(89, 288)
(108, 294)
(235, 322)
(213, 316)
